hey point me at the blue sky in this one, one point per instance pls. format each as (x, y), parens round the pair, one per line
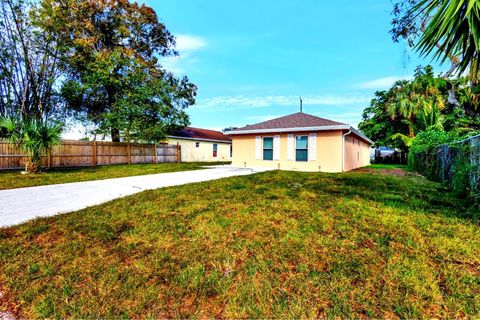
(251, 59)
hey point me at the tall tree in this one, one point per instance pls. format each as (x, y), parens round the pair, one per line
(378, 124)
(29, 66)
(417, 105)
(418, 100)
(448, 29)
(110, 50)
(403, 104)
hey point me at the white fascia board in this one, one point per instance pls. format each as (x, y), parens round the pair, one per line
(361, 135)
(323, 128)
(198, 139)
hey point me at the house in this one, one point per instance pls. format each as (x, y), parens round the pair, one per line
(202, 145)
(300, 142)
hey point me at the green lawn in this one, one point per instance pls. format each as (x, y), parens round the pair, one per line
(14, 179)
(275, 244)
(388, 166)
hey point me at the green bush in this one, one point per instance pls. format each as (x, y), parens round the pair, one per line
(436, 155)
(422, 155)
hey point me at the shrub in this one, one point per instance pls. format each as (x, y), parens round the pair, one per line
(33, 137)
(422, 155)
(440, 156)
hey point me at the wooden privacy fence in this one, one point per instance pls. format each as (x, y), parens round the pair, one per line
(71, 153)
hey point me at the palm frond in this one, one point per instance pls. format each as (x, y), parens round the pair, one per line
(405, 139)
(453, 30)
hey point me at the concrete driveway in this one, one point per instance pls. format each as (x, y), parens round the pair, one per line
(20, 205)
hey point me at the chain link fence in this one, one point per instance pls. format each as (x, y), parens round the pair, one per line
(457, 165)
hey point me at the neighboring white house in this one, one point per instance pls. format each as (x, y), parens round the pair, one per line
(202, 145)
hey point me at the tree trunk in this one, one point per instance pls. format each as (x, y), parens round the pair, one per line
(411, 133)
(115, 135)
(31, 166)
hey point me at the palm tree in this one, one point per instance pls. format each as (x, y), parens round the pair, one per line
(466, 95)
(404, 104)
(33, 137)
(418, 101)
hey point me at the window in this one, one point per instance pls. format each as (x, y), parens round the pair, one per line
(197, 144)
(215, 150)
(268, 148)
(231, 151)
(301, 148)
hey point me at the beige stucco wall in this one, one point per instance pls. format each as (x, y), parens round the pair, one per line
(204, 152)
(329, 152)
(357, 153)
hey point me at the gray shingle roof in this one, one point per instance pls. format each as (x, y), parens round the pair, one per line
(296, 120)
(199, 134)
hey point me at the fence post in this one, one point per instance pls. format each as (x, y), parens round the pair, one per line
(129, 153)
(178, 153)
(155, 153)
(94, 155)
(49, 158)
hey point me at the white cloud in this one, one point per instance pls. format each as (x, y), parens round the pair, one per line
(172, 64)
(186, 46)
(189, 43)
(223, 103)
(382, 83)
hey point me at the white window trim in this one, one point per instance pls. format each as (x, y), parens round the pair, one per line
(273, 148)
(291, 147)
(308, 146)
(258, 148)
(312, 146)
(276, 147)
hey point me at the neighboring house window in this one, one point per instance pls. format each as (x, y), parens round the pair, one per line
(301, 148)
(231, 151)
(197, 144)
(268, 148)
(215, 150)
